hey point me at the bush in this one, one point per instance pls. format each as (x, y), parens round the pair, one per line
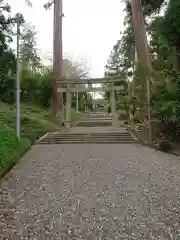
(123, 116)
(165, 146)
(29, 87)
(45, 91)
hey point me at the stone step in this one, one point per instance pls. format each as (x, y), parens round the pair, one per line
(107, 134)
(99, 119)
(61, 141)
(94, 123)
(95, 141)
(88, 139)
(54, 138)
(98, 116)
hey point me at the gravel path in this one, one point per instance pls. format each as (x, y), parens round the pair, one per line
(92, 192)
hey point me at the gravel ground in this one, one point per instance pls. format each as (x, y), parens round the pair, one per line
(92, 192)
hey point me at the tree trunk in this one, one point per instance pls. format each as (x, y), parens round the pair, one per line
(176, 59)
(57, 98)
(142, 46)
(135, 61)
(140, 37)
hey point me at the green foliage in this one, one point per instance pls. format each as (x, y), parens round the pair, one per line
(11, 149)
(30, 59)
(151, 6)
(134, 105)
(34, 128)
(127, 105)
(162, 21)
(123, 116)
(36, 81)
(165, 146)
(35, 122)
(45, 91)
(165, 99)
(130, 106)
(30, 116)
(29, 87)
(8, 145)
(171, 22)
(36, 90)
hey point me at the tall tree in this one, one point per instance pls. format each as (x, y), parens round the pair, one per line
(140, 37)
(57, 100)
(7, 57)
(30, 59)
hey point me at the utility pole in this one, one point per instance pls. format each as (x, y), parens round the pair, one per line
(57, 98)
(18, 80)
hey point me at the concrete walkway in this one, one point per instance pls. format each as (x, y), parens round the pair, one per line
(92, 192)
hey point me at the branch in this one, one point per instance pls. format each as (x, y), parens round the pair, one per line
(48, 4)
(83, 74)
(6, 8)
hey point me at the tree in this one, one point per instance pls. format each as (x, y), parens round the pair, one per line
(57, 99)
(7, 57)
(30, 59)
(141, 38)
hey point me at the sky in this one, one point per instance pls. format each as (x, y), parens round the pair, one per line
(90, 29)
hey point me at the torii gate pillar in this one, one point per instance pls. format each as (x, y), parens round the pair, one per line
(113, 107)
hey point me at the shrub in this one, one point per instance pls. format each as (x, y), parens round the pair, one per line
(45, 91)
(165, 146)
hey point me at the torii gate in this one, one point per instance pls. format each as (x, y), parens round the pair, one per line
(69, 90)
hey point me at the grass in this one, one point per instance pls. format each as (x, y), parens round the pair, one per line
(35, 122)
(11, 149)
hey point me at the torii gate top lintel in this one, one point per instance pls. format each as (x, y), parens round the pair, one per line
(65, 84)
(66, 80)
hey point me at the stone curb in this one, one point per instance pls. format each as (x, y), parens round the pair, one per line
(42, 137)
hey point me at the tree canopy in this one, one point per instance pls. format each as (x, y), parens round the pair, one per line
(162, 21)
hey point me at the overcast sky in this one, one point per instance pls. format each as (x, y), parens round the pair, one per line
(90, 29)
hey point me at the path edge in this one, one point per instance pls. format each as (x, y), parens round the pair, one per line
(16, 159)
(135, 135)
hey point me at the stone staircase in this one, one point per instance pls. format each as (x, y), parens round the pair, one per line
(98, 138)
(96, 119)
(97, 128)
